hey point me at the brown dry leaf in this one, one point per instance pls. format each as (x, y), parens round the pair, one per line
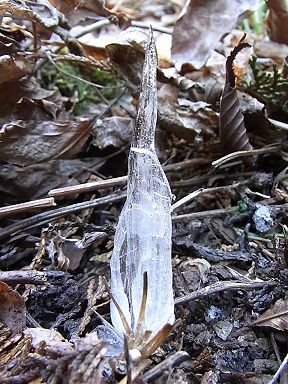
(191, 121)
(13, 68)
(47, 18)
(233, 133)
(277, 21)
(43, 14)
(35, 181)
(200, 26)
(127, 56)
(276, 316)
(13, 313)
(77, 12)
(30, 142)
(112, 131)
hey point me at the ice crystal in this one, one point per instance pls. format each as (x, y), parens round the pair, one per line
(142, 306)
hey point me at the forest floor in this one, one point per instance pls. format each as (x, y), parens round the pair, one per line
(69, 88)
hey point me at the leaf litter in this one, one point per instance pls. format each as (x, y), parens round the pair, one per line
(68, 119)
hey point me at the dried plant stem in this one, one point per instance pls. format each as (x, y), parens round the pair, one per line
(201, 191)
(283, 367)
(225, 211)
(196, 180)
(28, 206)
(204, 214)
(279, 124)
(102, 23)
(165, 365)
(45, 217)
(29, 277)
(88, 187)
(251, 152)
(223, 286)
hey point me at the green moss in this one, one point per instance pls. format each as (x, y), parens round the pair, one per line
(54, 79)
(270, 87)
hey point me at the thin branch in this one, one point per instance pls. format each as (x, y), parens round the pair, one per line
(29, 277)
(279, 124)
(28, 206)
(102, 23)
(202, 191)
(165, 365)
(251, 152)
(44, 218)
(204, 214)
(223, 286)
(88, 187)
(283, 367)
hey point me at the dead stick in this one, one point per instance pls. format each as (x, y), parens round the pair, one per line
(203, 214)
(88, 187)
(223, 286)
(29, 277)
(223, 211)
(27, 206)
(43, 218)
(165, 365)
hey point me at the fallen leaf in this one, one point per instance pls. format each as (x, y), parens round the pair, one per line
(277, 21)
(192, 121)
(13, 68)
(13, 313)
(112, 131)
(47, 18)
(126, 55)
(200, 26)
(30, 142)
(275, 317)
(34, 181)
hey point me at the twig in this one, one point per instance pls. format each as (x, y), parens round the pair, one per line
(118, 181)
(279, 124)
(251, 152)
(102, 23)
(29, 277)
(165, 365)
(88, 187)
(44, 218)
(280, 370)
(201, 191)
(186, 199)
(204, 214)
(223, 211)
(202, 179)
(223, 286)
(29, 205)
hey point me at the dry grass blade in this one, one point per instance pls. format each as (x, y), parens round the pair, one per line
(233, 133)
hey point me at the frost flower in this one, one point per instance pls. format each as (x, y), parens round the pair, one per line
(142, 305)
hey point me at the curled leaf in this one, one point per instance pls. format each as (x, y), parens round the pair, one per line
(233, 133)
